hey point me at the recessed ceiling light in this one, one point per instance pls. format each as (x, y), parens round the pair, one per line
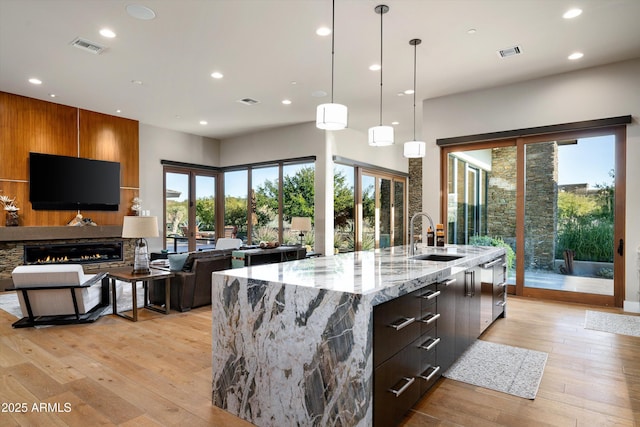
(323, 31)
(52, 95)
(217, 75)
(572, 13)
(409, 92)
(106, 32)
(35, 81)
(375, 67)
(286, 101)
(118, 111)
(395, 123)
(139, 11)
(575, 55)
(472, 31)
(294, 82)
(137, 82)
(203, 122)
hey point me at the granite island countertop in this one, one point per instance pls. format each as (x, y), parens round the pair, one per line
(381, 275)
(292, 342)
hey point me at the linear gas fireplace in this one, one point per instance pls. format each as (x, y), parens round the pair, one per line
(73, 253)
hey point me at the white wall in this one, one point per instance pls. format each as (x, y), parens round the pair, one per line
(158, 144)
(595, 93)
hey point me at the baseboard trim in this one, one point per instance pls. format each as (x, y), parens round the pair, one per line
(631, 306)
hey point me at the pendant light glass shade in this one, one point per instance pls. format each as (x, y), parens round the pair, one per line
(331, 116)
(381, 136)
(414, 149)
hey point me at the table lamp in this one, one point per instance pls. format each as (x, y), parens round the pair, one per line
(301, 224)
(140, 227)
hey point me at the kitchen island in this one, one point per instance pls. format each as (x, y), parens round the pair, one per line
(293, 343)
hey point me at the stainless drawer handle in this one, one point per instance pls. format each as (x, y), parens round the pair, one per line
(448, 282)
(501, 303)
(405, 322)
(430, 295)
(492, 263)
(435, 370)
(409, 381)
(431, 318)
(502, 285)
(434, 342)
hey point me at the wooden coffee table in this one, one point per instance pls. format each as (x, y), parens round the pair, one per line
(128, 276)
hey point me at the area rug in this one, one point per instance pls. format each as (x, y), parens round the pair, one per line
(9, 301)
(513, 370)
(615, 323)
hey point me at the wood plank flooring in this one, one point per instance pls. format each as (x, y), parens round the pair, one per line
(157, 372)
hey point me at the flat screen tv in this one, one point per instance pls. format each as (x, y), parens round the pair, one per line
(72, 183)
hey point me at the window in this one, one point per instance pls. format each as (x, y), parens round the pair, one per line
(261, 199)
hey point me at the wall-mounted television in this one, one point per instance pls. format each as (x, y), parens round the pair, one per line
(73, 183)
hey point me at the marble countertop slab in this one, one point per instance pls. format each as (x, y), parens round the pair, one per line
(379, 275)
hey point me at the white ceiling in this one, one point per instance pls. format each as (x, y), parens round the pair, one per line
(262, 46)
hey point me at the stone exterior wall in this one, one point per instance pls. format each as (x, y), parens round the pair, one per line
(541, 195)
(415, 196)
(541, 207)
(501, 195)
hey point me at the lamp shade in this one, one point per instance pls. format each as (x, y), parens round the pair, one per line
(380, 136)
(301, 223)
(331, 116)
(414, 149)
(138, 227)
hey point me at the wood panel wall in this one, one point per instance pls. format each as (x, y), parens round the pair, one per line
(31, 125)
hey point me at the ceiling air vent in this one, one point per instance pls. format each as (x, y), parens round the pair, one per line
(87, 45)
(248, 101)
(510, 51)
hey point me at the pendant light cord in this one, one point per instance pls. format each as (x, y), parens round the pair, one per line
(333, 24)
(414, 43)
(381, 68)
(415, 50)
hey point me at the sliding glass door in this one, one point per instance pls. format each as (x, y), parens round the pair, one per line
(569, 215)
(189, 209)
(555, 202)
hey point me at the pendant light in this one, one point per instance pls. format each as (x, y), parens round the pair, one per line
(332, 116)
(380, 135)
(414, 149)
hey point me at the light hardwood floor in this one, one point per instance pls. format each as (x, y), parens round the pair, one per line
(157, 372)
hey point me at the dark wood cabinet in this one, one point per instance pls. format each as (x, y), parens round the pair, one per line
(447, 322)
(493, 291)
(405, 345)
(418, 336)
(467, 290)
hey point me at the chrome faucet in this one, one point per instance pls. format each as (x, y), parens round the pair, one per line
(412, 245)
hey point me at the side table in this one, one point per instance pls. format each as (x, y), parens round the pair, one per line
(128, 276)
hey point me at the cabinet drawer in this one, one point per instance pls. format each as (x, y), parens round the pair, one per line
(396, 324)
(396, 387)
(427, 347)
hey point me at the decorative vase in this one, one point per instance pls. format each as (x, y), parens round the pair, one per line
(11, 218)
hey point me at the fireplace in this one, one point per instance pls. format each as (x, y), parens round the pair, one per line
(76, 253)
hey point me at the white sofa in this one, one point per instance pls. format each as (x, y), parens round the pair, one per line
(48, 292)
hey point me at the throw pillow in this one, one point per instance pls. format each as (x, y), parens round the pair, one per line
(176, 261)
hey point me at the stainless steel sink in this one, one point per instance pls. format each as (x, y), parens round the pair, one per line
(437, 257)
